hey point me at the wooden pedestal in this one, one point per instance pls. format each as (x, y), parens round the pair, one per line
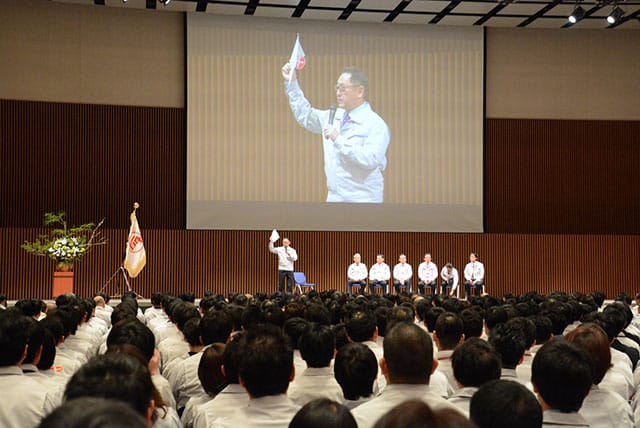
(62, 283)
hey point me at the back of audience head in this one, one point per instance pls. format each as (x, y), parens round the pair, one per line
(231, 359)
(561, 375)
(14, 336)
(252, 316)
(431, 317)
(215, 326)
(35, 344)
(408, 355)
(115, 376)
(472, 323)
(527, 327)
(342, 337)
(294, 327)
(48, 355)
(495, 315)
(317, 345)
(323, 413)
(543, 329)
(505, 404)
(361, 325)
(133, 332)
(401, 313)
(210, 369)
(475, 362)
(274, 315)
(191, 332)
(355, 369)
(510, 344)
(318, 313)
(593, 340)
(382, 322)
(449, 331)
(418, 414)
(266, 367)
(92, 412)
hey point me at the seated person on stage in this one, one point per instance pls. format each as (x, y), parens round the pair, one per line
(505, 404)
(450, 279)
(266, 368)
(407, 365)
(317, 347)
(357, 274)
(402, 273)
(474, 275)
(356, 369)
(561, 377)
(428, 274)
(475, 362)
(379, 274)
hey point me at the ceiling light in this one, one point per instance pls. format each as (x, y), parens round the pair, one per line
(577, 14)
(615, 15)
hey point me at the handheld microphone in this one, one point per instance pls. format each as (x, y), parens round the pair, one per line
(332, 113)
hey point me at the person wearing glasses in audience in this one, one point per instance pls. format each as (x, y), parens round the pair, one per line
(354, 137)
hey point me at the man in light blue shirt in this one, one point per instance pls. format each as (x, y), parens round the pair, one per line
(354, 143)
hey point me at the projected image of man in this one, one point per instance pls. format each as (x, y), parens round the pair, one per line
(354, 137)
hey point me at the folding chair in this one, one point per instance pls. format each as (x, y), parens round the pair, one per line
(301, 281)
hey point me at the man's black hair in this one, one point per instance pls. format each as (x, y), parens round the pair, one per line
(408, 352)
(133, 333)
(323, 413)
(561, 372)
(475, 362)
(14, 336)
(509, 342)
(91, 412)
(267, 361)
(527, 327)
(449, 329)
(317, 345)
(361, 325)
(232, 357)
(355, 368)
(495, 315)
(183, 312)
(472, 323)
(543, 328)
(191, 332)
(505, 404)
(215, 326)
(431, 317)
(251, 316)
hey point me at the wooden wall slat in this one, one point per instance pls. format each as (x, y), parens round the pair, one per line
(232, 261)
(562, 176)
(93, 161)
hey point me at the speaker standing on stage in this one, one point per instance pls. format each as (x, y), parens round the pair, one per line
(286, 256)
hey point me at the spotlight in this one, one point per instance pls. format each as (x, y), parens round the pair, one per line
(615, 15)
(577, 14)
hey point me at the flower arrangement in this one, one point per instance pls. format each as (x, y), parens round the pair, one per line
(65, 244)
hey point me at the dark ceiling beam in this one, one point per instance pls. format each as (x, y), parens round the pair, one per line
(202, 6)
(398, 9)
(98, 2)
(349, 9)
(151, 4)
(493, 12)
(251, 7)
(444, 12)
(302, 6)
(539, 13)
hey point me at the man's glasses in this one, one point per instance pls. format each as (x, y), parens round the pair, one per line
(343, 88)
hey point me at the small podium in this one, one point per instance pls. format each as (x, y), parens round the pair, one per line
(62, 283)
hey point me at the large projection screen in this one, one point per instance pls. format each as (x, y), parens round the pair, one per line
(251, 165)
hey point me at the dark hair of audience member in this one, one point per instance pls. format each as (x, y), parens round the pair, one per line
(510, 344)
(92, 412)
(252, 316)
(593, 340)
(527, 327)
(267, 361)
(35, 343)
(274, 315)
(215, 326)
(293, 328)
(355, 369)
(191, 332)
(505, 404)
(472, 323)
(475, 362)
(382, 313)
(361, 325)
(183, 312)
(449, 418)
(431, 317)
(318, 313)
(210, 369)
(231, 359)
(14, 335)
(48, 356)
(133, 332)
(342, 338)
(122, 313)
(561, 374)
(495, 315)
(323, 413)
(408, 354)
(543, 329)
(317, 345)
(410, 414)
(115, 376)
(29, 307)
(449, 330)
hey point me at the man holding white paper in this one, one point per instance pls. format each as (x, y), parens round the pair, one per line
(354, 137)
(286, 256)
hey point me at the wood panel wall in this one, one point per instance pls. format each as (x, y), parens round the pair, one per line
(562, 176)
(232, 261)
(92, 161)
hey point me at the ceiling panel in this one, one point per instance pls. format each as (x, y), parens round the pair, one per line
(458, 20)
(274, 12)
(426, 6)
(367, 16)
(322, 15)
(330, 3)
(474, 7)
(413, 18)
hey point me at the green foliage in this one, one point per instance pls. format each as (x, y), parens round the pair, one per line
(65, 244)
